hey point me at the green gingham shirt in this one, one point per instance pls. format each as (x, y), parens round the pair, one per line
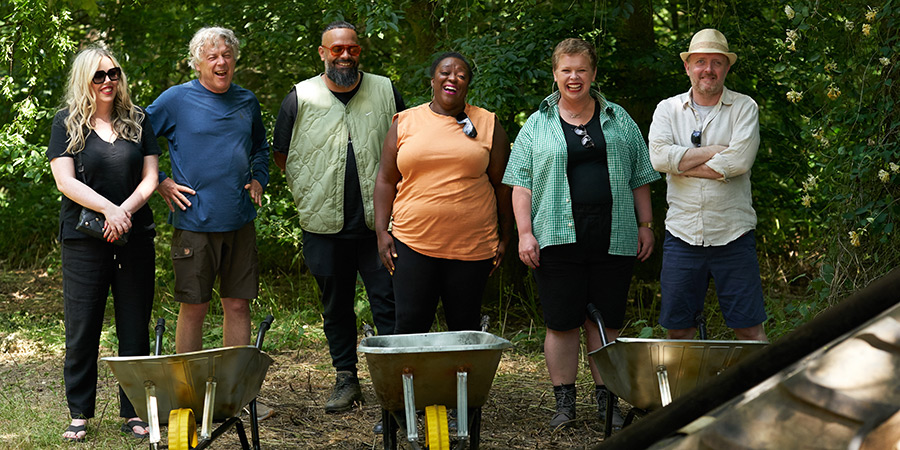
(538, 162)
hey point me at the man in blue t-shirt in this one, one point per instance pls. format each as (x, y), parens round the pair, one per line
(220, 160)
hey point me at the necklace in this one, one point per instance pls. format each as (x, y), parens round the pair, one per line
(575, 115)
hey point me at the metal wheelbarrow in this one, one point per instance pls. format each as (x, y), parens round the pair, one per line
(650, 373)
(211, 385)
(433, 371)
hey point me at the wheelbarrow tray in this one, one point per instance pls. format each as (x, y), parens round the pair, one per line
(434, 360)
(629, 366)
(180, 380)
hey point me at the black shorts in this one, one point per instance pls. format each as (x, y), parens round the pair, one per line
(571, 275)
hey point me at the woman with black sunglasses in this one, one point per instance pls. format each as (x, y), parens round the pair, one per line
(442, 216)
(580, 171)
(104, 157)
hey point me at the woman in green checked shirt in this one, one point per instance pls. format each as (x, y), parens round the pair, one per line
(580, 171)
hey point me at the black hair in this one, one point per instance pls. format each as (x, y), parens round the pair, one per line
(337, 24)
(457, 55)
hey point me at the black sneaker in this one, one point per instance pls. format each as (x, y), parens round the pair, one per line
(346, 393)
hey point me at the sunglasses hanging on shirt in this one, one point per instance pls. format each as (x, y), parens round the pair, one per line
(586, 140)
(468, 127)
(695, 138)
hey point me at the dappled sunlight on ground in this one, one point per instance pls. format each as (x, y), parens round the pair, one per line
(299, 382)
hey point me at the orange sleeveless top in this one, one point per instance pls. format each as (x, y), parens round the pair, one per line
(445, 206)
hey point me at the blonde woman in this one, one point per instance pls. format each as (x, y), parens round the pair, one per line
(104, 157)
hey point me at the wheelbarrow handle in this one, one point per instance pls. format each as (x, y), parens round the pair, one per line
(594, 315)
(700, 320)
(160, 330)
(263, 327)
(368, 331)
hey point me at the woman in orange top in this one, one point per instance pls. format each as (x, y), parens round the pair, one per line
(439, 189)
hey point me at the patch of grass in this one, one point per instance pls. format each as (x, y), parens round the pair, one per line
(33, 405)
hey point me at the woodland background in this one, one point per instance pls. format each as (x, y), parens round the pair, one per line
(825, 183)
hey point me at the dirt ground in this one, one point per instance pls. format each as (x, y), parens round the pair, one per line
(514, 417)
(297, 386)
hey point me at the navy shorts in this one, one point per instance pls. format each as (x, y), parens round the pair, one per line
(684, 280)
(571, 275)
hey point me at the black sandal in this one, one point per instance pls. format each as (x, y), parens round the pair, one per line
(128, 428)
(75, 429)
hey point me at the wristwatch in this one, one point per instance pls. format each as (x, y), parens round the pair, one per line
(645, 225)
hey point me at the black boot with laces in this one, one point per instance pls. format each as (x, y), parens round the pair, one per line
(602, 395)
(565, 405)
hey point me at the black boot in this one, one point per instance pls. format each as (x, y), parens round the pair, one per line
(565, 405)
(602, 394)
(346, 393)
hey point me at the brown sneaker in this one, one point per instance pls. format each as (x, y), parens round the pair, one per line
(263, 411)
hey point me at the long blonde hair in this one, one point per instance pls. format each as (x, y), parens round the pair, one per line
(82, 105)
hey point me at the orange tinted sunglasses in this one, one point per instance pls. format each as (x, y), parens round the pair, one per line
(338, 50)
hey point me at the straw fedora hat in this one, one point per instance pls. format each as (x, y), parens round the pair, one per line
(709, 41)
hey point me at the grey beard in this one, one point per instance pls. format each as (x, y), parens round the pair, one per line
(342, 77)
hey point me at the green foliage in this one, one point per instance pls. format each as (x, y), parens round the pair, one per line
(837, 72)
(35, 39)
(831, 143)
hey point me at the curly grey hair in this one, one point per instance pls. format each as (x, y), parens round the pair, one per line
(209, 36)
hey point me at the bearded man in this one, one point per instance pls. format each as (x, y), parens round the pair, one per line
(328, 139)
(706, 141)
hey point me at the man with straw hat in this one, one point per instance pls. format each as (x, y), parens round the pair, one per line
(706, 140)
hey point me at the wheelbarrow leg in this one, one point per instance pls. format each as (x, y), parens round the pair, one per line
(222, 429)
(409, 403)
(239, 427)
(610, 403)
(462, 405)
(389, 432)
(254, 425)
(474, 439)
(254, 419)
(152, 414)
(150, 391)
(665, 393)
(209, 401)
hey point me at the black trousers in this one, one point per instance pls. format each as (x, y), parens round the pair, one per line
(335, 263)
(421, 281)
(91, 267)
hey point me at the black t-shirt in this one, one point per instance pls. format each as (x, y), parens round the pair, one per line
(587, 169)
(113, 170)
(354, 214)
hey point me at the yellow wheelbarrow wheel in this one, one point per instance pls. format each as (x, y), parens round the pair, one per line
(182, 429)
(437, 436)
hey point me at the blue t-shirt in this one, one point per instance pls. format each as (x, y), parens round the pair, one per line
(217, 143)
